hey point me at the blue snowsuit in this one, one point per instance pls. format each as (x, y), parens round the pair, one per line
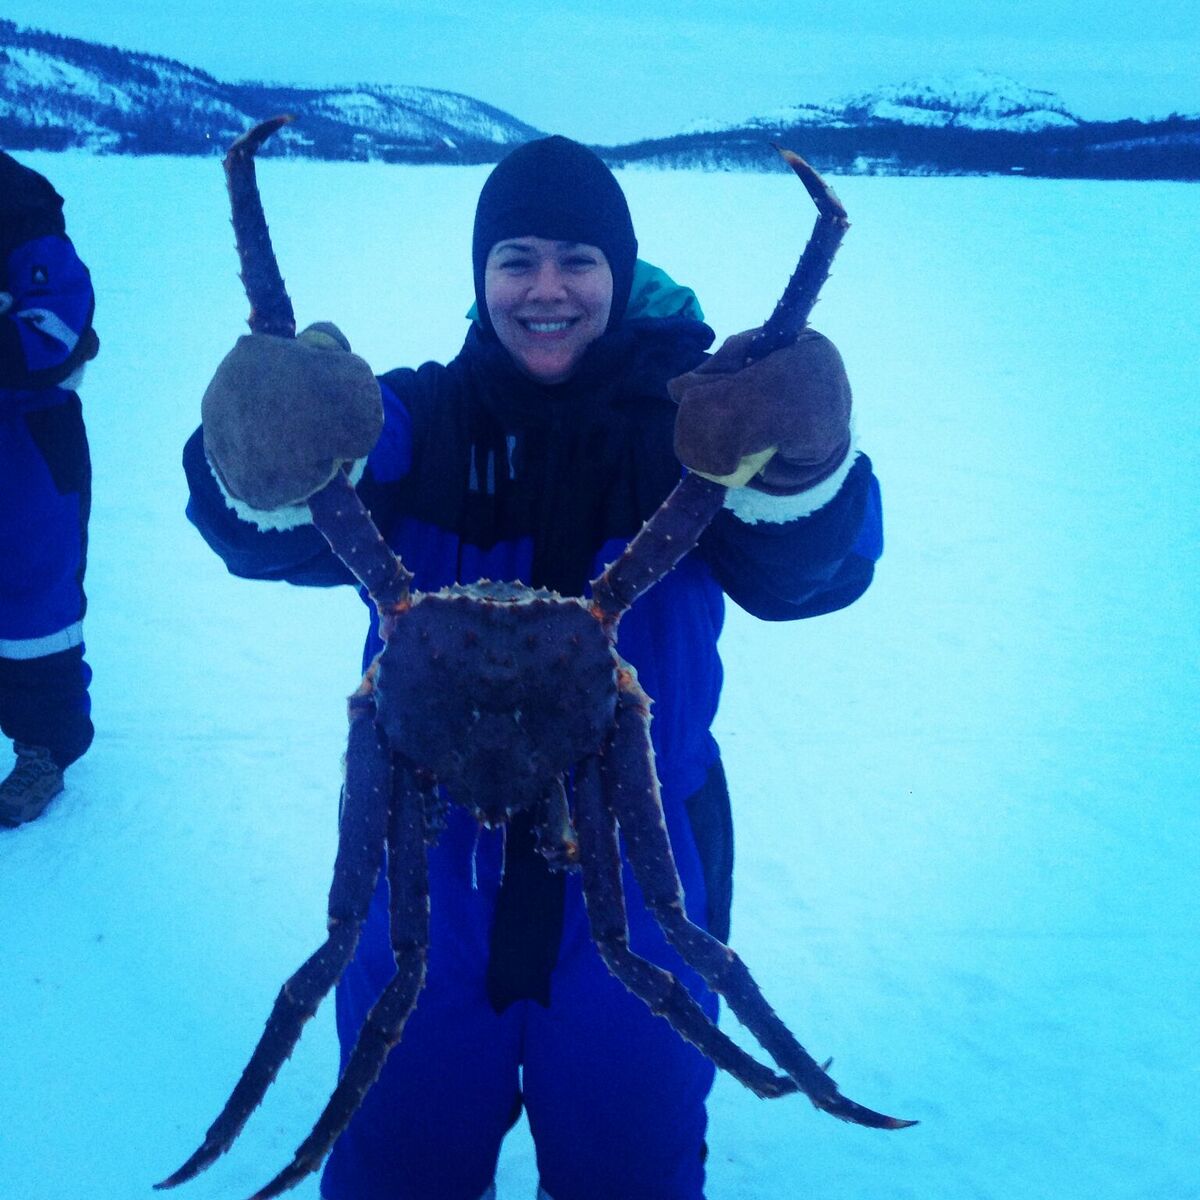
(479, 473)
(46, 335)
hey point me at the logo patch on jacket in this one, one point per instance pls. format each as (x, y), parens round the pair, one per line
(41, 274)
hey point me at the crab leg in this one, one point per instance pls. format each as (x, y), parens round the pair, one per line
(270, 307)
(632, 791)
(687, 512)
(670, 533)
(359, 857)
(342, 517)
(557, 841)
(795, 306)
(663, 994)
(337, 511)
(408, 889)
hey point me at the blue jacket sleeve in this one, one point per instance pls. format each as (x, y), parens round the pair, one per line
(46, 325)
(301, 555)
(781, 571)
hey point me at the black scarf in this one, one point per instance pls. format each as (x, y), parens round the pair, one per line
(582, 462)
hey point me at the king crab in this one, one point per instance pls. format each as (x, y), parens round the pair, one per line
(496, 691)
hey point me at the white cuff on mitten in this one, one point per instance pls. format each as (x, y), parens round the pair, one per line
(288, 516)
(754, 507)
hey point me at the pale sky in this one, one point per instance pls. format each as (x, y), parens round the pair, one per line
(614, 72)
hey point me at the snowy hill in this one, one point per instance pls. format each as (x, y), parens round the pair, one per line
(58, 92)
(973, 100)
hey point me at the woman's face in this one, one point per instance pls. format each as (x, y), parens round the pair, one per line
(548, 301)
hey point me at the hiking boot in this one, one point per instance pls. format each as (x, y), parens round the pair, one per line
(32, 784)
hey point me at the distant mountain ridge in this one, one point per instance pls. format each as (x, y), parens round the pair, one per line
(60, 92)
(969, 99)
(974, 122)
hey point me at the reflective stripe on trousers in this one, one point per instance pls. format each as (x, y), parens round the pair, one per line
(42, 647)
(490, 1194)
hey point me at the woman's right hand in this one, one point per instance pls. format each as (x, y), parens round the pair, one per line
(281, 415)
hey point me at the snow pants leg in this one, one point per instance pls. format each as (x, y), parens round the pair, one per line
(45, 504)
(431, 1127)
(45, 702)
(615, 1098)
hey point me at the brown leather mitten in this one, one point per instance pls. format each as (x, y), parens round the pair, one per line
(281, 416)
(780, 425)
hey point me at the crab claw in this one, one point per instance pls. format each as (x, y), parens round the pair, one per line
(814, 1081)
(857, 1114)
(270, 307)
(249, 142)
(823, 196)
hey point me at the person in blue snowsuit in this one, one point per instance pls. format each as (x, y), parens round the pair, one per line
(46, 337)
(535, 455)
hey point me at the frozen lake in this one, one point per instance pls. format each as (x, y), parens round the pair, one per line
(966, 806)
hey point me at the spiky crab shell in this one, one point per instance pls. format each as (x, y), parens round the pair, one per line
(496, 689)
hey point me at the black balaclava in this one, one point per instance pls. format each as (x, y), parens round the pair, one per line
(557, 189)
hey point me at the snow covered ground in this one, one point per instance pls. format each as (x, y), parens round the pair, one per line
(966, 806)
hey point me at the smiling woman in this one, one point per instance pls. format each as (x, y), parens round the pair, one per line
(534, 457)
(548, 302)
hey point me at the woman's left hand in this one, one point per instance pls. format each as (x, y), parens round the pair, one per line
(781, 424)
